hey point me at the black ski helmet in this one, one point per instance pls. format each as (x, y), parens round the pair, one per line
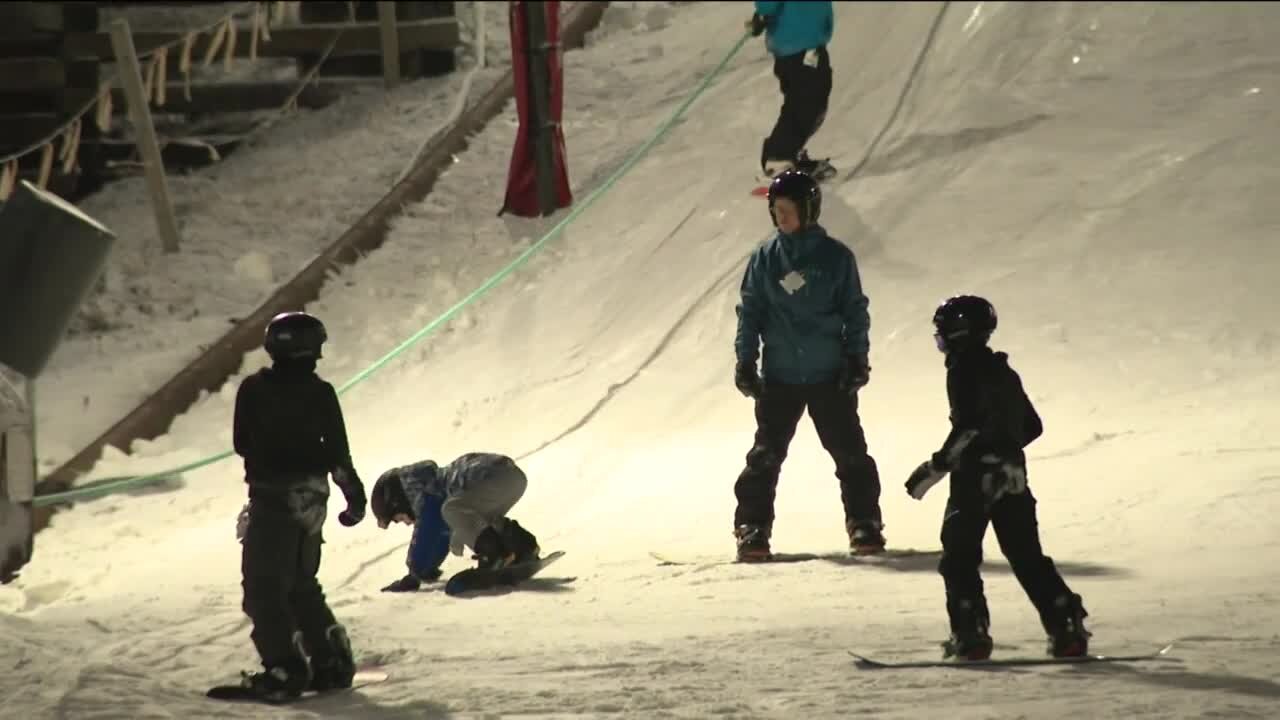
(963, 320)
(294, 335)
(800, 189)
(389, 499)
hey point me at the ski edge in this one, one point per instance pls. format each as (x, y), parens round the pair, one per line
(863, 661)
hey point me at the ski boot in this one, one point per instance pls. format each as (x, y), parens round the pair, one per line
(1068, 636)
(519, 542)
(753, 543)
(333, 667)
(281, 681)
(865, 538)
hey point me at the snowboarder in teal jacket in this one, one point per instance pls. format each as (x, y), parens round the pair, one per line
(797, 35)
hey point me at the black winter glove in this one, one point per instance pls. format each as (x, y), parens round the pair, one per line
(353, 490)
(411, 582)
(757, 23)
(855, 375)
(747, 380)
(352, 515)
(408, 583)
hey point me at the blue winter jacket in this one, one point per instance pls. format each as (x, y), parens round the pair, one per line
(430, 543)
(802, 295)
(426, 488)
(794, 27)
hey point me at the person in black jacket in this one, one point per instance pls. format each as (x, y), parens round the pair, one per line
(992, 421)
(290, 431)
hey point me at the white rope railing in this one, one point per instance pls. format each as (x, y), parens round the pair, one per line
(460, 102)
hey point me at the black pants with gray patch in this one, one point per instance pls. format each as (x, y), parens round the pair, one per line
(835, 418)
(806, 91)
(279, 563)
(1014, 519)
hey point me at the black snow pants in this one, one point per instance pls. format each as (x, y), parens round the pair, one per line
(805, 92)
(964, 526)
(835, 418)
(280, 560)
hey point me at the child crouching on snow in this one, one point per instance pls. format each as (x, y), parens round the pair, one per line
(463, 504)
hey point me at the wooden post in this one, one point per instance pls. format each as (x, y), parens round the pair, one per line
(17, 490)
(390, 43)
(29, 397)
(535, 24)
(140, 116)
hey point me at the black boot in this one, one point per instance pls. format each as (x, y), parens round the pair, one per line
(970, 637)
(282, 679)
(753, 543)
(520, 542)
(1067, 634)
(491, 552)
(333, 667)
(865, 538)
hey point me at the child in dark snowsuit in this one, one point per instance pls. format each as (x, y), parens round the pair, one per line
(290, 431)
(992, 421)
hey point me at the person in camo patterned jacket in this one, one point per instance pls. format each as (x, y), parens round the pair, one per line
(462, 504)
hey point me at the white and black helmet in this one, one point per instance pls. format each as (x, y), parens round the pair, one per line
(963, 320)
(294, 335)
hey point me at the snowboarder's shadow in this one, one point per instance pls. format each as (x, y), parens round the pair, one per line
(1184, 679)
(927, 561)
(357, 704)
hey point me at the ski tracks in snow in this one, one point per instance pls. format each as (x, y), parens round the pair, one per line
(717, 284)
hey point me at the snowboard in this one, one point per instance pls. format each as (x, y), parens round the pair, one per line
(473, 579)
(824, 172)
(368, 675)
(867, 663)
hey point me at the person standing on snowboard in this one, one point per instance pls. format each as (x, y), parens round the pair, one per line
(992, 422)
(802, 298)
(796, 34)
(463, 504)
(289, 429)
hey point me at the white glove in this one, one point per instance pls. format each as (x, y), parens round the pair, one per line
(242, 523)
(925, 476)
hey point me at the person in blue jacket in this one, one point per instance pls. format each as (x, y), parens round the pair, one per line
(462, 504)
(796, 34)
(802, 299)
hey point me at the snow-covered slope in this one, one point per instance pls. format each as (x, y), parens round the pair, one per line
(1100, 171)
